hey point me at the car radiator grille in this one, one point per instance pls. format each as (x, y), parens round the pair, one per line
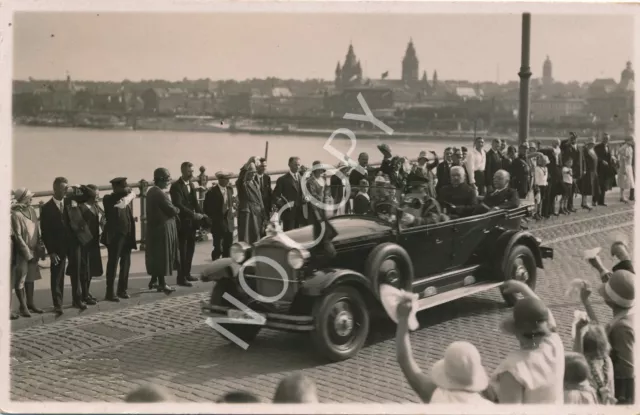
(268, 281)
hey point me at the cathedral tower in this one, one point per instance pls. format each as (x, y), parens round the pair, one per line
(410, 64)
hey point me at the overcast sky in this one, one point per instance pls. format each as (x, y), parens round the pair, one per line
(239, 46)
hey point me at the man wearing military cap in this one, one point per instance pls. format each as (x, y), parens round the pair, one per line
(218, 206)
(119, 236)
(162, 253)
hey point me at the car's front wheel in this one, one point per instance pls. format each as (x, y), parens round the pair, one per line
(245, 332)
(341, 324)
(521, 266)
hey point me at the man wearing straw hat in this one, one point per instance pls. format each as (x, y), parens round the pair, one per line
(218, 206)
(619, 294)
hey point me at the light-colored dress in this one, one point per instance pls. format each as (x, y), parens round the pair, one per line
(26, 229)
(539, 371)
(625, 171)
(581, 394)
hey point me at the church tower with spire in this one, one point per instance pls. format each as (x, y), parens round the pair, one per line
(410, 64)
(547, 74)
(351, 71)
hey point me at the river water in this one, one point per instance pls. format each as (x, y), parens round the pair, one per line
(96, 156)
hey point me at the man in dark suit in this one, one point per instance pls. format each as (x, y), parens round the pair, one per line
(519, 172)
(569, 149)
(289, 190)
(55, 238)
(184, 197)
(218, 206)
(356, 174)
(606, 170)
(458, 198)
(503, 196)
(264, 184)
(443, 170)
(119, 236)
(493, 163)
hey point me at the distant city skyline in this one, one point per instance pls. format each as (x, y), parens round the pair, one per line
(477, 48)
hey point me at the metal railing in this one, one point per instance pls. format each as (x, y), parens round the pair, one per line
(143, 185)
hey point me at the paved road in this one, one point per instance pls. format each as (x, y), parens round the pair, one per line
(101, 355)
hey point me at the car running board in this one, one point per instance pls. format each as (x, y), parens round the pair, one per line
(445, 297)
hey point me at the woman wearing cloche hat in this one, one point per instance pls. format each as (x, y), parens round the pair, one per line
(535, 372)
(458, 378)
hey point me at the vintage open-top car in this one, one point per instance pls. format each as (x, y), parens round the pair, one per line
(334, 294)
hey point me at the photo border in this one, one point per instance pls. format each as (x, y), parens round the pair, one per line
(374, 6)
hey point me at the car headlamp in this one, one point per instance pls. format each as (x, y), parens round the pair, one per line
(297, 257)
(238, 251)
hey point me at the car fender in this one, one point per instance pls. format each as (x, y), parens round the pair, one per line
(509, 239)
(323, 280)
(220, 269)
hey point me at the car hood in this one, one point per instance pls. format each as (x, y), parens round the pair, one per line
(347, 227)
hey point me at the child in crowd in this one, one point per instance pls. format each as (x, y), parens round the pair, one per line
(577, 390)
(296, 388)
(239, 397)
(594, 345)
(459, 378)
(618, 294)
(149, 394)
(541, 180)
(567, 185)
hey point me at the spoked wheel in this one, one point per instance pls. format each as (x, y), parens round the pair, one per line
(246, 332)
(521, 266)
(341, 324)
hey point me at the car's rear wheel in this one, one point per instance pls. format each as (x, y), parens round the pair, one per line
(520, 266)
(341, 324)
(245, 332)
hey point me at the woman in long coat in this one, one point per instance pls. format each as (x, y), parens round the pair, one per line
(161, 254)
(589, 179)
(251, 211)
(25, 228)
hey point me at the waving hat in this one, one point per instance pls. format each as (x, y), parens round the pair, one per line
(391, 296)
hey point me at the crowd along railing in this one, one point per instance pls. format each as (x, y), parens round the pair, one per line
(203, 181)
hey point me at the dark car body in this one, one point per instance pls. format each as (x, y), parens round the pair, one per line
(440, 262)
